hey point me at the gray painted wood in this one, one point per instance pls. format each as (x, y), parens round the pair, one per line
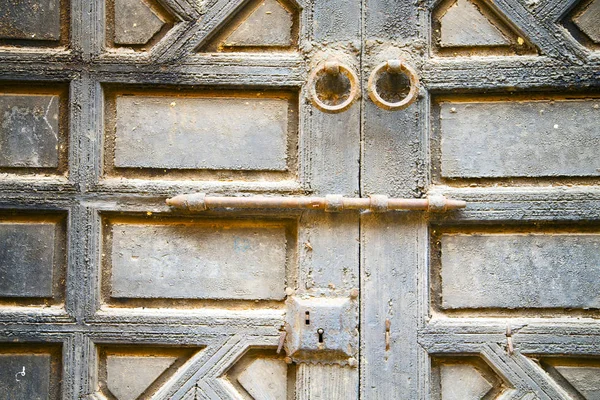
(392, 162)
(27, 259)
(587, 21)
(520, 271)
(537, 138)
(392, 150)
(390, 291)
(128, 377)
(135, 22)
(321, 382)
(329, 156)
(399, 157)
(202, 133)
(25, 376)
(224, 330)
(584, 379)
(266, 379)
(269, 25)
(29, 133)
(462, 382)
(202, 261)
(463, 24)
(30, 20)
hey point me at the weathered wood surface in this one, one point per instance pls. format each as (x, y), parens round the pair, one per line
(25, 376)
(539, 138)
(400, 157)
(27, 259)
(326, 160)
(201, 133)
(30, 20)
(362, 151)
(198, 261)
(30, 130)
(464, 25)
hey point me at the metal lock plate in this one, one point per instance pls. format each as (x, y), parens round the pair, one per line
(322, 329)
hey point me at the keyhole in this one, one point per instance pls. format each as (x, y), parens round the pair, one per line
(320, 332)
(307, 318)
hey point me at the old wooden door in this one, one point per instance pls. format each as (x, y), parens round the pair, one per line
(109, 107)
(499, 300)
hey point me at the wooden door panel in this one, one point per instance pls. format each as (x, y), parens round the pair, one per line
(494, 322)
(551, 138)
(111, 106)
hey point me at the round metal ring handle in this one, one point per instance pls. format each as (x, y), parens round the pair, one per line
(394, 67)
(334, 68)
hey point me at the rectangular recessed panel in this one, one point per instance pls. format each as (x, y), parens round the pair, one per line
(520, 271)
(30, 19)
(245, 134)
(198, 261)
(25, 376)
(26, 259)
(539, 138)
(29, 130)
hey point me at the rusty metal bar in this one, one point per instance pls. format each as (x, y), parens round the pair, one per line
(329, 203)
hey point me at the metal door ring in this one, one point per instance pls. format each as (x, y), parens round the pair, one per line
(394, 67)
(333, 68)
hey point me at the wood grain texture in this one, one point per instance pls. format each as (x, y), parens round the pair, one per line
(321, 382)
(390, 256)
(398, 158)
(360, 152)
(223, 331)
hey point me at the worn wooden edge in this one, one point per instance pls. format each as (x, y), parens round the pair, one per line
(508, 73)
(523, 203)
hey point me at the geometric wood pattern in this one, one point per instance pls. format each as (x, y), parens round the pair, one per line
(260, 26)
(135, 22)
(582, 21)
(268, 25)
(464, 25)
(265, 379)
(260, 374)
(462, 382)
(586, 380)
(128, 377)
(472, 27)
(137, 25)
(579, 377)
(522, 373)
(589, 21)
(132, 372)
(362, 151)
(464, 377)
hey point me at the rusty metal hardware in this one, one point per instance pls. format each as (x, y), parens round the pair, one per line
(330, 203)
(394, 67)
(322, 329)
(388, 326)
(334, 68)
(509, 340)
(281, 341)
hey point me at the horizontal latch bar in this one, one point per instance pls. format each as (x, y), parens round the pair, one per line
(329, 203)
